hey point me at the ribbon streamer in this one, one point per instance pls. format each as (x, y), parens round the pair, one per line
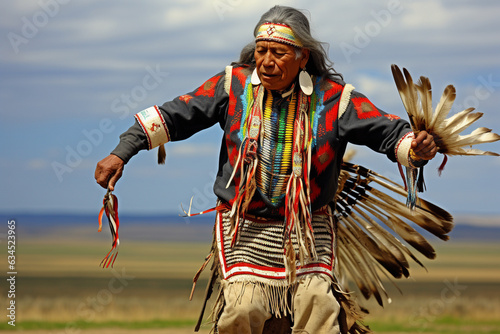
(110, 207)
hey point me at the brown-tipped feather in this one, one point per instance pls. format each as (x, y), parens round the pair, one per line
(395, 246)
(368, 279)
(425, 90)
(371, 223)
(446, 131)
(442, 109)
(482, 135)
(444, 216)
(405, 231)
(349, 265)
(428, 216)
(407, 95)
(438, 227)
(460, 121)
(377, 250)
(411, 97)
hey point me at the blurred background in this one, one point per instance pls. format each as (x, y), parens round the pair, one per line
(73, 74)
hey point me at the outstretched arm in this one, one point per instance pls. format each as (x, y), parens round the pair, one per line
(108, 171)
(154, 126)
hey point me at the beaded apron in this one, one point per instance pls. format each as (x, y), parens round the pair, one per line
(258, 256)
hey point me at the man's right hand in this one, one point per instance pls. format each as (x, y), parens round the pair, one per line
(108, 171)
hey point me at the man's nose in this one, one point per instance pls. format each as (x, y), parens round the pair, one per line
(268, 59)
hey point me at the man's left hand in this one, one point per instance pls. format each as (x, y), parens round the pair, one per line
(424, 146)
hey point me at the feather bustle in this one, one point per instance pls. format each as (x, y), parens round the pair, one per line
(366, 248)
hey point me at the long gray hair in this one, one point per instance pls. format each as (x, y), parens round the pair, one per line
(318, 64)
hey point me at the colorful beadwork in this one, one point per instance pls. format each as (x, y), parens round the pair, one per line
(276, 149)
(275, 32)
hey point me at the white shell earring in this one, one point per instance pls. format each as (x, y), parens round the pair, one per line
(255, 78)
(305, 82)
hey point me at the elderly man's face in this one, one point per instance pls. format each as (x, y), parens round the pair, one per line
(277, 65)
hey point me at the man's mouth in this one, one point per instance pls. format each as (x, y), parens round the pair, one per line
(269, 76)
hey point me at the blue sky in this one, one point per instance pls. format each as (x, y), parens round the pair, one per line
(73, 73)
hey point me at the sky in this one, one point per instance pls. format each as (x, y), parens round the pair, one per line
(73, 74)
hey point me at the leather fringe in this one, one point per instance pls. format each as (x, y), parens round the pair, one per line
(351, 314)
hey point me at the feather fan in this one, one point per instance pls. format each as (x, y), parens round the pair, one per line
(417, 100)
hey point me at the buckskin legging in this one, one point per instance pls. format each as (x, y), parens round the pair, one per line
(315, 309)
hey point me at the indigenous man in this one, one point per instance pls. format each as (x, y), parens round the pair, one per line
(287, 117)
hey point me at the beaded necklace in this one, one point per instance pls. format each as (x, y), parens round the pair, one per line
(275, 150)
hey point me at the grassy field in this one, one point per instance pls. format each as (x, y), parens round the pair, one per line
(61, 289)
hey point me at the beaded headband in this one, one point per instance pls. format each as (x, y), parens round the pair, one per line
(277, 32)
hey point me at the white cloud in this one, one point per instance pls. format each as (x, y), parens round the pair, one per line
(377, 88)
(199, 13)
(429, 14)
(13, 11)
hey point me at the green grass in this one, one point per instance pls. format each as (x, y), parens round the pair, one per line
(441, 325)
(59, 282)
(147, 303)
(81, 324)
